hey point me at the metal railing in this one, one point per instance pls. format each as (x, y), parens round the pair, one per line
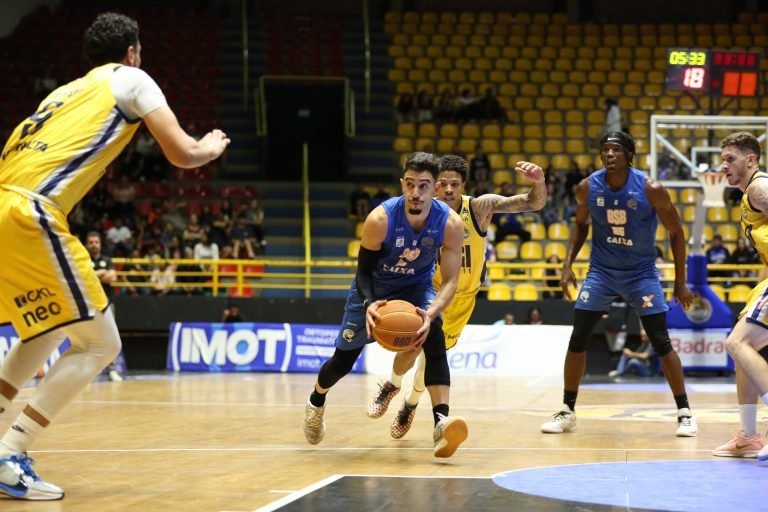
(237, 277)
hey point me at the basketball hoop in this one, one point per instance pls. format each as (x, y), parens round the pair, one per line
(713, 183)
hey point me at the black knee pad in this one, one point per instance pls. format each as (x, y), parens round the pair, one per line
(764, 352)
(584, 323)
(337, 366)
(656, 329)
(437, 371)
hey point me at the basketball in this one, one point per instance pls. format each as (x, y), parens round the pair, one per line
(396, 327)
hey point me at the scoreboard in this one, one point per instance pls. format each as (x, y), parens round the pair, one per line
(718, 72)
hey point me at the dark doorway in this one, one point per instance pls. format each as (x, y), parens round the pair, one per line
(311, 113)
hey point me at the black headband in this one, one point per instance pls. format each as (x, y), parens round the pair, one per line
(620, 141)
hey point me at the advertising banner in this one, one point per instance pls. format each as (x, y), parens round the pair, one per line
(251, 347)
(701, 349)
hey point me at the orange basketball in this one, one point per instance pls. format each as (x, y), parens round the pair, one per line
(396, 327)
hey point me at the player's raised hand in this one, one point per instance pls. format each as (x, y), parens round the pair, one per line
(683, 295)
(531, 171)
(421, 334)
(217, 141)
(568, 281)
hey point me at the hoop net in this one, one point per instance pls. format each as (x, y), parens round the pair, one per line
(713, 183)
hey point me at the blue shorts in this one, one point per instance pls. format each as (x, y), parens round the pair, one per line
(641, 289)
(352, 333)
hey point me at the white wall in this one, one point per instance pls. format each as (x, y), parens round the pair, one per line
(11, 12)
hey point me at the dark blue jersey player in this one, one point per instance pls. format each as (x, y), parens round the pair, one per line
(622, 204)
(401, 240)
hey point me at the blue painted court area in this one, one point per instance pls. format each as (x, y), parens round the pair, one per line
(700, 485)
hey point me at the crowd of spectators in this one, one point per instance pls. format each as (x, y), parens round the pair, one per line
(447, 108)
(164, 227)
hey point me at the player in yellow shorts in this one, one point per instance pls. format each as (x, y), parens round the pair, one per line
(48, 288)
(748, 342)
(476, 214)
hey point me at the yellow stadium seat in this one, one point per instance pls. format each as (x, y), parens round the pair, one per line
(584, 252)
(556, 248)
(470, 130)
(532, 146)
(449, 130)
(500, 176)
(719, 290)
(490, 145)
(359, 229)
(531, 251)
(510, 145)
(537, 230)
(558, 231)
(445, 145)
(499, 291)
(526, 291)
(738, 293)
(506, 250)
(661, 233)
(688, 196)
(717, 214)
(729, 232)
(427, 130)
(406, 130)
(353, 248)
(404, 144)
(689, 213)
(496, 273)
(495, 158)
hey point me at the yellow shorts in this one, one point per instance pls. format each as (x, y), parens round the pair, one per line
(456, 316)
(756, 310)
(46, 278)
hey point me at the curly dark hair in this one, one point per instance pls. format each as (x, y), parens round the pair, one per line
(744, 142)
(422, 162)
(108, 38)
(456, 164)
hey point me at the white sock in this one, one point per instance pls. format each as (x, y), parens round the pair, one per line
(418, 387)
(395, 379)
(748, 418)
(20, 435)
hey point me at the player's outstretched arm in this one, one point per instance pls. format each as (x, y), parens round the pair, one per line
(578, 235)
(670, 219)
(450, 263)
(179, 148)
(486, 205)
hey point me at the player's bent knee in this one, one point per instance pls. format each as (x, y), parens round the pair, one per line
(661, 344)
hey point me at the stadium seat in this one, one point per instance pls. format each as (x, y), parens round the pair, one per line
(717, 214)
(556, 248)
(506, 251)
(729, 232)
(499, 291)
(359, 229)
(526, 291)
(719, 290)
(584, 252)
(558, 231)
(537, 230)
(531, 251)
(739, 293)
(496, 273)
(353, 248)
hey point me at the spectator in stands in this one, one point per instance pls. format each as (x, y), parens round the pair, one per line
(612, 117)
(380, 196)
(120, 238)
(135, 274)
(489, 108)
(642, 361)
(206, 217)
(552, 278)
(744, 254)
(172, 214)
(359, 202)
(467, 106)
(572, 178)
(78, 221)
(254, 217)
(193, 232)
(506, 189)
(480, 165)
(534, 316)
(187, 274)
(167, 237)
(667, 166)
(163, 276)
(242, 237)
(44, 85)
(717, 254)
(445, 112)
(508, 224)
(220, 228)
(145, 143)
(406, 109)
(123, 198)
(231, 314)
(206, 250)
(456, 150)
(509, 319)
(424, 106)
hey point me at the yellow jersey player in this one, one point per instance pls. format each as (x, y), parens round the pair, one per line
(476, 213)
(748, 342)
(48, 288)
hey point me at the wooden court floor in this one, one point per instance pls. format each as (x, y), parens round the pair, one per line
(234, 442)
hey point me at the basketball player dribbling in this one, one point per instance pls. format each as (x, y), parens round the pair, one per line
(48, 287)
(622, 205)
(476, 214)
(399, 247)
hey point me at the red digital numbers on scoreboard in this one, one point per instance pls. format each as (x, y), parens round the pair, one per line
(721, 73)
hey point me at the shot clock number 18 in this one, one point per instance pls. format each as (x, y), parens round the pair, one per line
(721, 73)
